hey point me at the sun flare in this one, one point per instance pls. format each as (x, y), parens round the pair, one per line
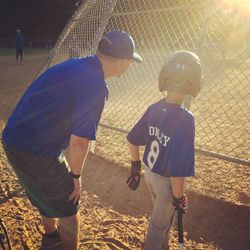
(241, 7)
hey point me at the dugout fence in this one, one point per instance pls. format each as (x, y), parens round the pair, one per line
(220, 35)
(29, 43)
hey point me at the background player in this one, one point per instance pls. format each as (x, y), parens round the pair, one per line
(167, 130)
(19, 46)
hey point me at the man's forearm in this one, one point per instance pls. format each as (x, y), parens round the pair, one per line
(78, 150)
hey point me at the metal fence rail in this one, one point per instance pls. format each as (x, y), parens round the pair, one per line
(29, 43)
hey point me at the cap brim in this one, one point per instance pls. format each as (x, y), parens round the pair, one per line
(137, 58)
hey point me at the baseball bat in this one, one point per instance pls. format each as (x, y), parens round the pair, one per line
(3, 228)
(180, 229)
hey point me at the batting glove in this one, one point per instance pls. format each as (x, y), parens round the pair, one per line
(181, 203)
(133, 180)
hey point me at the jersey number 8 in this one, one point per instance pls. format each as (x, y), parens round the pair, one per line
(153, 153)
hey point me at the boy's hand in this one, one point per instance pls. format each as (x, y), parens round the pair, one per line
(133, 180)
(181, 203)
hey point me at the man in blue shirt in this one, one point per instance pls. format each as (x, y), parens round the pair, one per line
(167, 131)
(19, 46)
(60, 109)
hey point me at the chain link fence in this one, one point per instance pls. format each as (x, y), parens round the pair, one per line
(29, 43)
(220, 36)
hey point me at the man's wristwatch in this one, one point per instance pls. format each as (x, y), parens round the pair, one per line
(76, 176)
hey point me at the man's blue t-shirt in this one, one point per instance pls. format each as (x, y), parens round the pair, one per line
(167, 130)
(67, 99)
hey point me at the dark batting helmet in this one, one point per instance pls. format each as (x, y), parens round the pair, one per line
(181, 73)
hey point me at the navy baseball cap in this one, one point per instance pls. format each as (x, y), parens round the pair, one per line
(119, 44)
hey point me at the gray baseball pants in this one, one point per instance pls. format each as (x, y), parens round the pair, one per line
(163, 210)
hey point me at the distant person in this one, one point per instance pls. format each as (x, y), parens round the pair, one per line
(49, 45)
(62, 108)
(167, 131)
(19, 46)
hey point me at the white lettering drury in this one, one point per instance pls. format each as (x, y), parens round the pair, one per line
(151, 130)
(166, 139)
(161, 137)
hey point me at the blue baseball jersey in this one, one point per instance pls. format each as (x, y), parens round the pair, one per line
(167, 131)
(66, 99)
(18, 40)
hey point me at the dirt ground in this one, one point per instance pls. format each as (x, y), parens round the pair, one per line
(112, 216)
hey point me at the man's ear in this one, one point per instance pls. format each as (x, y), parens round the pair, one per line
(118, 63)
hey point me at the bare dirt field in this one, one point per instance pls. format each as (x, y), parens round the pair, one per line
(112, 216)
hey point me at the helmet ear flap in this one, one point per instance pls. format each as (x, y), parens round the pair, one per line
(163, 84)
(193, 88)
(163, 80)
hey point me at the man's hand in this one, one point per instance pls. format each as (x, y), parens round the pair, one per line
(133, 180)
(78, 149)
(75, 195)
(181, 203)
